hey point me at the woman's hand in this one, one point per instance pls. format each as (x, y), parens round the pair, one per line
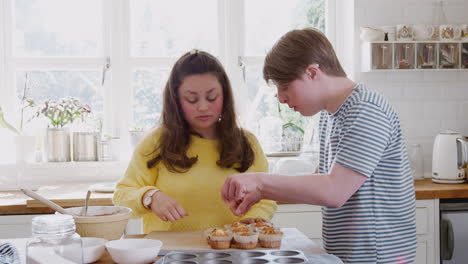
(167, 208)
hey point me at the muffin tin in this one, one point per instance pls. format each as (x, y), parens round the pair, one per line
(234, 256)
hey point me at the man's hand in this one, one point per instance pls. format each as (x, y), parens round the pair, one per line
(242, 191)
(167, 208)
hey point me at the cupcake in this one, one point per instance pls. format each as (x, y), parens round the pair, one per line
(234, 225)
(241, 229)
(207, 233)
(258, 226)
(219, 239)
(246, 240)
(270, 237)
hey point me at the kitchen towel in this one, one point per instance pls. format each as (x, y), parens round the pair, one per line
(9, 254)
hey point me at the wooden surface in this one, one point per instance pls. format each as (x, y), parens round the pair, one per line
(70, 195)
(195, 240)
(66, 195)
(426, 189)
(292, 239)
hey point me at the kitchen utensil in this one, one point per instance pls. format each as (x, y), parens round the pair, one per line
(449, 157)
(85, 208)
(107, 222)
(229, 256)
(137, 250)
(46, 201)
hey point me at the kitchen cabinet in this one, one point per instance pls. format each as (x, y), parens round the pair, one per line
(308, 219)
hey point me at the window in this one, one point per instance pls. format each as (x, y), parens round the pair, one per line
(53, 49)
(116, 55)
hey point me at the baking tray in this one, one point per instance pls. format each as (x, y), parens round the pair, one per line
(233, 256)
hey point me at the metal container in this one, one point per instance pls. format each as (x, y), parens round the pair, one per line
(85, 146)
(57, 145)
(235, 256)
(104, 149)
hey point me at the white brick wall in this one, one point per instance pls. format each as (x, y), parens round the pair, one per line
(427, 102)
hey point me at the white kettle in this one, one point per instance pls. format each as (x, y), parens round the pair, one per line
(449, 157)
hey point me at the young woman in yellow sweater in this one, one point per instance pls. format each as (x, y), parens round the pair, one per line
(175, 176)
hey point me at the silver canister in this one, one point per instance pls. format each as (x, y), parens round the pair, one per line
(84, 146)
(57, 145)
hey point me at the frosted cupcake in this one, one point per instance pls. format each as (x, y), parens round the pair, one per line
(246, 240)
(219, 239)
(270, 237)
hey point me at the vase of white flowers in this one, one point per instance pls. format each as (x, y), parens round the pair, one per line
(60, 113)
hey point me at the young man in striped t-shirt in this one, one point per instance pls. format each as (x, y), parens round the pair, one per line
(364, 183)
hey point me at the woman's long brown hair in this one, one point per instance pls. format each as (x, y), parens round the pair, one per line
(234, 148)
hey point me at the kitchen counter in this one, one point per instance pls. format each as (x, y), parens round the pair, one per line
(293, 239)
(67, 195)
(71, 195)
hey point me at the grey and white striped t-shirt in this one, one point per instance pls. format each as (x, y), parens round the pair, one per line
(378, 223)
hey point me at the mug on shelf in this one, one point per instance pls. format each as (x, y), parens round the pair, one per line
(423, 32)
(404, 32)
(449, 32)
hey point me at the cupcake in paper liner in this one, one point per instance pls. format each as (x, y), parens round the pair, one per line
(270, 237)
(234, 225)
(219, 239)
(246, 240)
(242, 229)
(258, 226)
(206, 234)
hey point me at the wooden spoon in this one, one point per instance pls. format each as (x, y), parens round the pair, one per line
(46, 201)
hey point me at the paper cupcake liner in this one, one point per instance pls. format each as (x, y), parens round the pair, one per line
(270, 237)
(221, 238)
(220, 244)
(252, 237)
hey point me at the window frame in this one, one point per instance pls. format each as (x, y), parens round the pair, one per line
(118, 93)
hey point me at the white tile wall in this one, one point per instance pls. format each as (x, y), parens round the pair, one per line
(427, 102)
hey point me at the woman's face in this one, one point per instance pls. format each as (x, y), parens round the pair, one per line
(201, 98)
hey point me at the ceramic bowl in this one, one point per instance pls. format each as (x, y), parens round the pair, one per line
(106, 222)
(135, 251)
(93, 248)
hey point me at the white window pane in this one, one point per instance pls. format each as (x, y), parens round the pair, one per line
(171, 28)
(148, 86)
(267, 20)
(43, 85)
(263, 102)
(57, 28)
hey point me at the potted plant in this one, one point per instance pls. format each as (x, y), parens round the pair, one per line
(293, 129)
(60, 113)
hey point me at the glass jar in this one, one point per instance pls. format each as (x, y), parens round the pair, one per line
(417, 161)
(54, 240)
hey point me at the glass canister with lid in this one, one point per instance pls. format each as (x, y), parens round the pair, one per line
(54, 240)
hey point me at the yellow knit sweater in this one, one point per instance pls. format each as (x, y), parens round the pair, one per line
(198, 190)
